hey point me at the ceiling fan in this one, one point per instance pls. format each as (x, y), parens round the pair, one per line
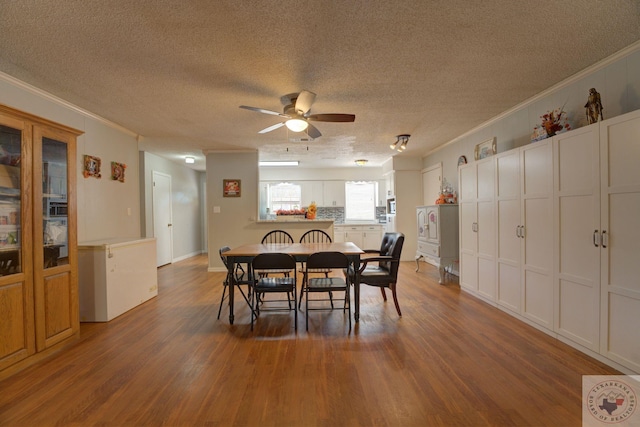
(297, 115)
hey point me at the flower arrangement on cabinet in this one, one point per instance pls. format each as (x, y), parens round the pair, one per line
(552, 122)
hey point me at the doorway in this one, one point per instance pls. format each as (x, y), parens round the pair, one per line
(162, 218)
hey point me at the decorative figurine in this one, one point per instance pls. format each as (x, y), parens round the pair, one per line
(594, 107)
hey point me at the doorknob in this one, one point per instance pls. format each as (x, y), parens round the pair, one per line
(169, 225)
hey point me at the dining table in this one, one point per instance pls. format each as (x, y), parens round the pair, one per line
(300, 251)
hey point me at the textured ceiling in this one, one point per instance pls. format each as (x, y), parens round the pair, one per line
(175, 72)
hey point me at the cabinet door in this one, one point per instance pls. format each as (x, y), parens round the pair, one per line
(17, 336)
(421, 219)
(576, 220)
(433, 224)
(312, 191)
(333, 193)
(486, 229)
(536, 181)
(55, 241)
(467, 180)
(509, 230)
(620, 245)
(354, 234)
(371, 238)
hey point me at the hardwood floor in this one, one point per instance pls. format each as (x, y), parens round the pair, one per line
(451, 360)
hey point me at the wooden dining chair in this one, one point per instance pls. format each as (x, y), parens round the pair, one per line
(326, 261)
(277, 236)
(271, 261)
(314, 236)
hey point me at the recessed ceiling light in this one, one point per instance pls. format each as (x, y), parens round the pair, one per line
(190, 160)
(279, 163)
(361, 162)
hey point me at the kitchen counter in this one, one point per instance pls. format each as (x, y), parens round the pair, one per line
(280, 221)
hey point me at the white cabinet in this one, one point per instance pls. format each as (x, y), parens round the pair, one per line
(371, 237)
(524, 202)
(577, 225)
(312, 191)
(477, 228)
(115, 275)
(333, 193)
(363, 236)
(438, 236)
(596, 206)
(620, 239)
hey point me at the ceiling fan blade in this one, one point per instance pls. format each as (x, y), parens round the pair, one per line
(262, 110)
(304, 101)
(270, 128)
(332, 117)
(313, 131)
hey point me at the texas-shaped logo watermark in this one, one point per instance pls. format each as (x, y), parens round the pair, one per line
(610, 400)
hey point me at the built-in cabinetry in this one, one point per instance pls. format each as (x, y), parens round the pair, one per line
(438, 237)
(364, 236)
(477, 227)
(565, 232)
(38, 252)
(596, 211)
(524, 187)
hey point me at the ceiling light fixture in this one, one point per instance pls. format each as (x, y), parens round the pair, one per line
(279, 163)
(402, 139)
(361, 162)
(190, 160)
(296, 125)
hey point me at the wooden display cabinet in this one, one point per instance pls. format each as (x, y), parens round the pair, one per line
(38, 240)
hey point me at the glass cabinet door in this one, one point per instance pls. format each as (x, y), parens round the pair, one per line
(54, 203)
(10, 201)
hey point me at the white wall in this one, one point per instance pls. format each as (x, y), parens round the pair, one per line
(616, 78)
(186, 204)
(103, 204)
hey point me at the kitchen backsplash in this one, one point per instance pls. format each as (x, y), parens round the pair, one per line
(337, 214)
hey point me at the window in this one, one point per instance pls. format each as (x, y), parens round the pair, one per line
(284, 196)
(360, 201)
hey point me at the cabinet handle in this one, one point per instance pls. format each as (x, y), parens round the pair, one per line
(522, 231)
(605, 239)
(596, 239)
(517, 231)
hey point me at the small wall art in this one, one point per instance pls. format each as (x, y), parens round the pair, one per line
(231, 188)
(91, 166)
(117, 171)
(485, 149)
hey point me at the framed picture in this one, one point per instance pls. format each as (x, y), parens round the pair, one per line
(91, 166)
(485, 149)
(117, 171)
(231, 188)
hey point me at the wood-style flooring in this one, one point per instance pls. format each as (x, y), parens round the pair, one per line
(451, 360)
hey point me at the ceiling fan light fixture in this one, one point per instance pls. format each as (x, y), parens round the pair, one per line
(296, 125)
(361, 162)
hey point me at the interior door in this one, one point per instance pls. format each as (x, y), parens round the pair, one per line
(162, 218)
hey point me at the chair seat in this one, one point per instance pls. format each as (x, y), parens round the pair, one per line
(374, 270)
(316, 270)
(325, 284)
(275, 284)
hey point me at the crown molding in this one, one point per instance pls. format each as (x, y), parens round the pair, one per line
(62, 103)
